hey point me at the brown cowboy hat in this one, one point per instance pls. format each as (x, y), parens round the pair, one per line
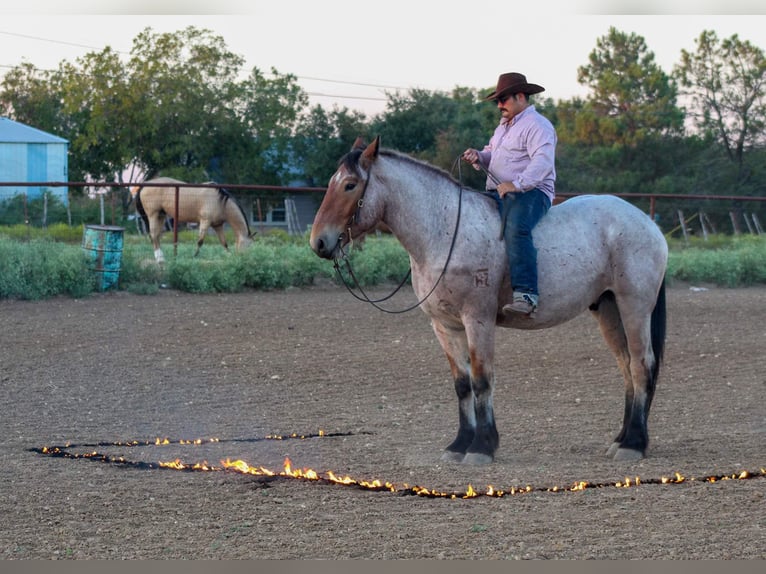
(513, 83)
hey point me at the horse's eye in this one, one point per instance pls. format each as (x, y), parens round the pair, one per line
(350, 186)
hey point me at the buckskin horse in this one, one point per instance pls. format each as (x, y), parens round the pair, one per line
(597, 253)
(208, 206)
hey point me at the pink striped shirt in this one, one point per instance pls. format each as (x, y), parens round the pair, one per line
(523, 152)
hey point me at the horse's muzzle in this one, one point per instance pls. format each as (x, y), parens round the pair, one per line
(327, 246)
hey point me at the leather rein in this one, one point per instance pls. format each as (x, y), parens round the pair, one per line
(345, 257)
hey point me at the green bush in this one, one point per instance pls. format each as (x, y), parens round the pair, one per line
(39, 269)
(739, 262)
(378, 260)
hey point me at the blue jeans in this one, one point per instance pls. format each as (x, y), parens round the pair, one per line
(525, 210)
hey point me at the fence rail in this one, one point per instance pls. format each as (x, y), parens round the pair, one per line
(107, 187)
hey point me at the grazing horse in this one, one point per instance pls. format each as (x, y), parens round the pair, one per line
(209, 206)
(594, 252)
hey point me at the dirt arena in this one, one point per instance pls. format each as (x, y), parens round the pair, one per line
(120, 367)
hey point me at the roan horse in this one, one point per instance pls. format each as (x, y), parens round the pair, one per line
(594, 252)
(210, 206)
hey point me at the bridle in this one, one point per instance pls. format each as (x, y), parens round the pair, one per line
(345, 257)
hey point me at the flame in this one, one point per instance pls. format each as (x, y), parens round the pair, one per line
(288, 471)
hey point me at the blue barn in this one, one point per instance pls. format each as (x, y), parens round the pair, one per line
(31, 155)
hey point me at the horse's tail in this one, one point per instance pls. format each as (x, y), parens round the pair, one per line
(140, 208)
(224, 197)
(658, 330)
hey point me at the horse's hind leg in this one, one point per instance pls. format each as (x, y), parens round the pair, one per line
(155, 230)
(631, 345)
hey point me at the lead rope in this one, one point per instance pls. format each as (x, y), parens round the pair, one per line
(374, 302)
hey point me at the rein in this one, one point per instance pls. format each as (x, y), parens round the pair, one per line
(374, 302)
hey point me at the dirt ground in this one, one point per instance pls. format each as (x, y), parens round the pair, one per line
(121, 367)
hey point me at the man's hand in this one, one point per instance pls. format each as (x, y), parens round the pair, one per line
(506, 187)
(472, 156)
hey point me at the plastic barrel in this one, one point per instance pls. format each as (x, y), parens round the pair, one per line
(103, 244)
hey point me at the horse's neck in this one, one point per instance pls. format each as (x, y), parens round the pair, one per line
(420, 209)
(236, 219)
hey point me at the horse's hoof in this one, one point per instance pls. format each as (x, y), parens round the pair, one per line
(452, 456)
(477, 459)
(612, 450)
(628, 454)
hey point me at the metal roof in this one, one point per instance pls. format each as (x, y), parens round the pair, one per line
(15, 132)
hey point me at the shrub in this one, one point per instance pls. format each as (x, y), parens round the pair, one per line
(40, 269)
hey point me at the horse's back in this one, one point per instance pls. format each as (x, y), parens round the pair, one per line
(589, 245)
(195, 203)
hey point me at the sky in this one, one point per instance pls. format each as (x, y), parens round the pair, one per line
(351, 53)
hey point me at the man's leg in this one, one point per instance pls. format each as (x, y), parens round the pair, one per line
(525, 211)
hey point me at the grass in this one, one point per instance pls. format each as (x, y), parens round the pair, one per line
(37, 264)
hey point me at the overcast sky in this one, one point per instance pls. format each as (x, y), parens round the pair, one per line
(349, 53)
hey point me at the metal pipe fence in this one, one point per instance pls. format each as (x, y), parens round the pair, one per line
(741, 212)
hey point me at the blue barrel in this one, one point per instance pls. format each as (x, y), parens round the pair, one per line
(103, 245)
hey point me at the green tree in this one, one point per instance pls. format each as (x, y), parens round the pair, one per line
(97, 108)
(472, 122)
(632, 97)
(411, 122)
(726, 81)
(184, 94)
(270, 111)
(30, 96)
(322, 137)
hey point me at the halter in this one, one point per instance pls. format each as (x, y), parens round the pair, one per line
(374, 302)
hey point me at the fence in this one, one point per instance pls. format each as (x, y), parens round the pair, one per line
(114, 207)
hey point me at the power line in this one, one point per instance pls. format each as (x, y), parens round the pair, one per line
(353, 83)
(348, 83)
(52, 41)
(319, 94)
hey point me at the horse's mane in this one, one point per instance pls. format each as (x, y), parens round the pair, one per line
(351, 161)
(224, 195)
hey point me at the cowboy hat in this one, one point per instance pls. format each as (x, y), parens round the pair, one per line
(513, 83)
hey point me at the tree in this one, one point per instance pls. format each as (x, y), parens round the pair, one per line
(270, 112)
(726, 82)
(96, 105)
(632, 97)
(322, 137)
(411, 122)
(30, 96)
(184, 93)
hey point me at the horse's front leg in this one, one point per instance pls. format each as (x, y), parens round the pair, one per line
(221, 236)
(477, 437)
(455, 346)
(203, 225)
(481, 342)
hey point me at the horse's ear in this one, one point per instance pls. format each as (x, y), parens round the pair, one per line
(358, 144)
(371, 151)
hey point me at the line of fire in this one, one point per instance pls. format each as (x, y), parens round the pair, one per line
(329, 477)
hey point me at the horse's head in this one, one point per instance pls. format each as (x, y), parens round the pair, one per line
(336, 221)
